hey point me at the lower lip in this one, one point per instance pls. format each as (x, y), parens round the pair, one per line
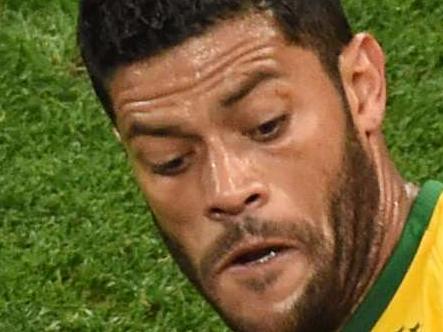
(275, 263)
(271, 282)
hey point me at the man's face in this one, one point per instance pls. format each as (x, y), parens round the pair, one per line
(242, 146)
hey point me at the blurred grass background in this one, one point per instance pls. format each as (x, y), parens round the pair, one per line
(78, 251)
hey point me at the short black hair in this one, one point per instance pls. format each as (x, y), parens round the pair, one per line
(113, 33)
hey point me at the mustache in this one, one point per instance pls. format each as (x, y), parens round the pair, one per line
(237, 232)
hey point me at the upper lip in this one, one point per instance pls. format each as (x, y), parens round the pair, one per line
(250, 246)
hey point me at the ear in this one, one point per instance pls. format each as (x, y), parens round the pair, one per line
(362, 68)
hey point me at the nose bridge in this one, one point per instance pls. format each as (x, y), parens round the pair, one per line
(226, 169)
(231, 183)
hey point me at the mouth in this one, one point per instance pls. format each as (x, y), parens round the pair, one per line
(266, 270)
(253, 256)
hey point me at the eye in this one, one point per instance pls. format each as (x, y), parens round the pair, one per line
(173, 166)
(269, 129)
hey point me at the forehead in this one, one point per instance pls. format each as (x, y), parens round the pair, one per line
(198, 55)
(227, 35)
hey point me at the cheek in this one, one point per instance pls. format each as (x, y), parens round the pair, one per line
(159, 194)
(178, 208)
(310, 162)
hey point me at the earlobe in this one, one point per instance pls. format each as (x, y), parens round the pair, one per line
(362, 69)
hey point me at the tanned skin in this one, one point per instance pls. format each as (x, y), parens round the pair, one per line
(270, 182)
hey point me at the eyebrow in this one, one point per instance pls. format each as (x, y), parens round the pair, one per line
(137, 128)
(247, 87)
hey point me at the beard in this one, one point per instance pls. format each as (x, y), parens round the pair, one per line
(343, 266)
(336, 288)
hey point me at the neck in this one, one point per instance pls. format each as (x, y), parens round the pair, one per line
(396, 199)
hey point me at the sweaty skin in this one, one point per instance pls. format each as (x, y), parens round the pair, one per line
(274, 192)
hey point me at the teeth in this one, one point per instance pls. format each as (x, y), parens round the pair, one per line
(267, 258)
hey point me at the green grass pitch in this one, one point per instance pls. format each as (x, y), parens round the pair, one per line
(78, 251)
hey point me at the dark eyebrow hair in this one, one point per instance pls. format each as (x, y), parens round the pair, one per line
(247, 86)
(137, 128)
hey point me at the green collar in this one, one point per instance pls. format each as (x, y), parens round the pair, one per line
(379, 296)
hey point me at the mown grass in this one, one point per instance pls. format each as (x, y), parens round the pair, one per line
(78, 251)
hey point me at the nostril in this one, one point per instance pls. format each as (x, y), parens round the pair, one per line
(252, 199)
(235, 206)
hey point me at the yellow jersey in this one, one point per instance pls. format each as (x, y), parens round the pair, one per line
(408, 294)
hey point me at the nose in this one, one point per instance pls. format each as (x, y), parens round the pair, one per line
(233, 187)
(236, 202)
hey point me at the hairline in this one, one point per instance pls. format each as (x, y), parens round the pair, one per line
(302, 41)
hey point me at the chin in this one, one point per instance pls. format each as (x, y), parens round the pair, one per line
(261, 296)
